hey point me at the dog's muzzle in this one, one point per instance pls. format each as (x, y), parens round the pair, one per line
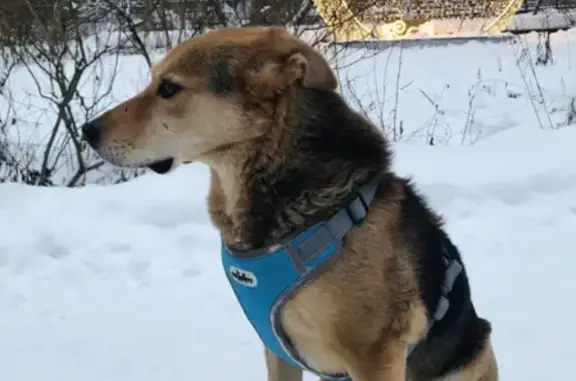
(92, 132)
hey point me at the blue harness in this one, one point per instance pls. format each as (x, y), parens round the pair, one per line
(263, 280)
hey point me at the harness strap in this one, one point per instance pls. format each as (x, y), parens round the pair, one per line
(333, 230)
(453, 269)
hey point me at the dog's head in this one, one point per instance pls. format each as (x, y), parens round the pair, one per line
(210, 92)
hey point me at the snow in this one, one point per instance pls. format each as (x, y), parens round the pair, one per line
(123, 282)
(548, 18)
(460, 93)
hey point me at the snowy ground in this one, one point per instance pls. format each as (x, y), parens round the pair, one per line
(461, 93)
(123, 283)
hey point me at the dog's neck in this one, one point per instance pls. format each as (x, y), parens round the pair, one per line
(265, 189)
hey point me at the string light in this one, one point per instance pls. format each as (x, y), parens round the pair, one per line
(395, 19)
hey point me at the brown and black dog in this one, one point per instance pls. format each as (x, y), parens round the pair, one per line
(259, 107)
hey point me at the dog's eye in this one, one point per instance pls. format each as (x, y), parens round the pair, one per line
(168, 89)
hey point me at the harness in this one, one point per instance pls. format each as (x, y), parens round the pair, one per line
(264, 279)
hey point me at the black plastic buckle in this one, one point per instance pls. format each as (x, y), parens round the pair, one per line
(357, 221)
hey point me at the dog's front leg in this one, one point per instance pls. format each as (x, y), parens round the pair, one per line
(382, 364)
(280, 370)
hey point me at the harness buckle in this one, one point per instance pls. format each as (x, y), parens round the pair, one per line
(357, 216)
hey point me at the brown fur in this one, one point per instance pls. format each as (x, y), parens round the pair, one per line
(246, 97)
(483, 368)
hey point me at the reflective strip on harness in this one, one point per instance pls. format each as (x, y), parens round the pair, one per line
(452, 272)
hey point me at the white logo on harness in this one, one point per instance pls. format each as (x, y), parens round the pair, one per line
(245, 278)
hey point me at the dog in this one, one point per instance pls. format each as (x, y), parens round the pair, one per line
(286, 155)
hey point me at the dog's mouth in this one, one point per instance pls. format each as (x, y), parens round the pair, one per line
(162, 166)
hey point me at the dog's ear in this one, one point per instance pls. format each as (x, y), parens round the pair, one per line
(286, 60)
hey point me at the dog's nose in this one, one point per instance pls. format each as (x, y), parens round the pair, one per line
(92, 132)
